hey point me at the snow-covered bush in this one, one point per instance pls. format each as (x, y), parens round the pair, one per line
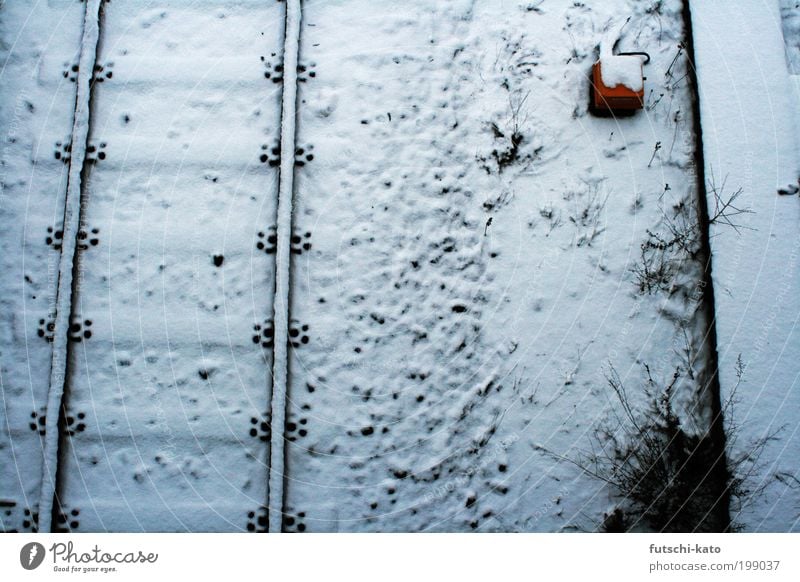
(666, 478)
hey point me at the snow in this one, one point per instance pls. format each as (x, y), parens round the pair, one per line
(438, 356)
(790, 19)
(749, 142)
(790, 23)
(622, 70)
(415, 200)
(38, 40)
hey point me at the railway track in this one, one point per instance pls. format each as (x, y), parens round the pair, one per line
(159, 411)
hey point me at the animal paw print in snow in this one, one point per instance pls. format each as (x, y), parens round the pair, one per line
(102, 72)
(63, 151)
(38, 421)
(264, 334)
(84, 240)
(306, 72)
(75, 423)
(271, 155)
(273, 72)
(54, 239)
(46, 329)
(293, 523)
(95, 153)
(30, 521)
(257, 520)
(261, 427)
(296, 429)
(70, 71)
(297, 334)
(67, 521)
(267, 242)
(302, 155)
(301, 243)
(79, 330)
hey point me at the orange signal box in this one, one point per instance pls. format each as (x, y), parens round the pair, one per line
(619, 98)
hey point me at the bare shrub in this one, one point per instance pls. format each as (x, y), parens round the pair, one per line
(664, 477)
(726, 211)
(663, 252)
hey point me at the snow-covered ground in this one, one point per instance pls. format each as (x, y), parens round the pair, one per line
(40, 41)
(790, 23)
(464, 302)
(472, 255)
